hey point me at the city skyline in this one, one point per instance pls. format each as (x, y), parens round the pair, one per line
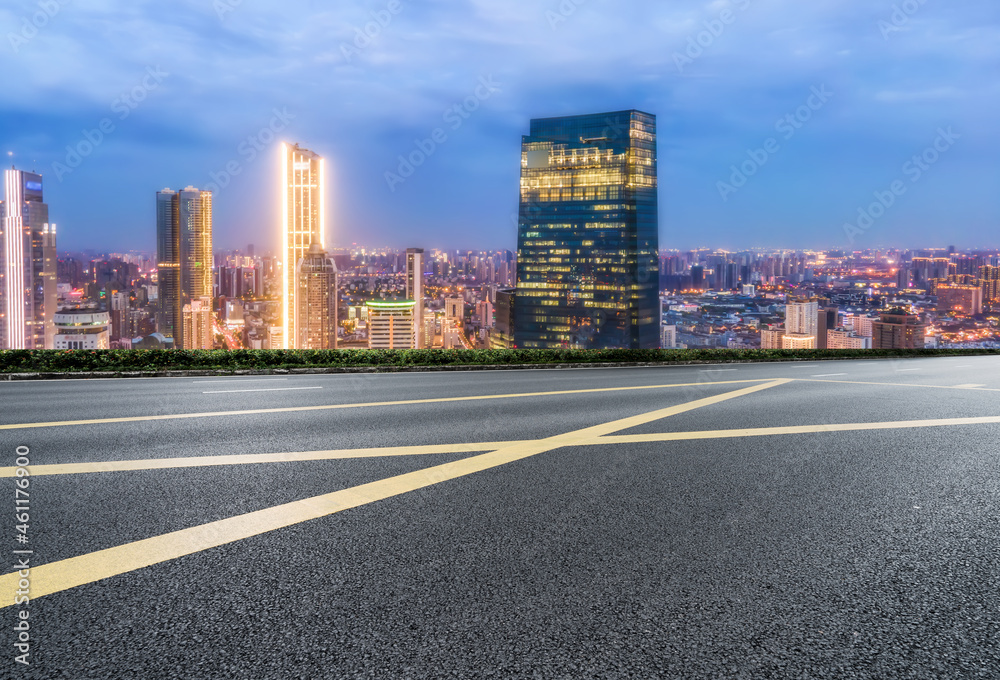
(780, 125)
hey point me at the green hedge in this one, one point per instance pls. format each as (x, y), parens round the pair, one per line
(46, 361)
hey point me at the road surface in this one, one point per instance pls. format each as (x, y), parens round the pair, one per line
(801, 520)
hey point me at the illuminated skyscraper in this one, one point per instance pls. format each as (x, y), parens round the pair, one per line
(587, 262)
(184, 258)
(415, 291)
(302, 224)
(898, 329)
(27, 265)
(317, 300)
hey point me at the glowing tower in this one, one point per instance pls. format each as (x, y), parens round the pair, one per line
(302, 224)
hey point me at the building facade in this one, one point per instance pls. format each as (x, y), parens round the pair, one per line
(317, 300)
(303, 188)
(390, 324)
(415, 292)
(28, 294)
(184, 258)
(587, 261)
(82, 329)
(898, 330)
(196, 324)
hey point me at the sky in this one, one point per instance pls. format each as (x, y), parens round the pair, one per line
(846, 124)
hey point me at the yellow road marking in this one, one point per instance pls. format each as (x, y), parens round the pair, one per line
(251, 459)
(76, 571)
(793, 429)
(331, 407)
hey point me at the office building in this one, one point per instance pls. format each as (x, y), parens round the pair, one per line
(390, 324)
(587, 261)
(82, 328)
(668, 337)
(196, 324)
(958, 298)
(454, 310)
(898, 329)
(801, 324)
(415, 292)
(28, 295)
(303, 190)
(844, 338)
(771, 338)
(317, 300)
(184, 258)
(990, 277)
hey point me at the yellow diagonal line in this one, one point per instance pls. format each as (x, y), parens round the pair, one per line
(332, 407)
(250, 459)
(793, 429)
(76, 571)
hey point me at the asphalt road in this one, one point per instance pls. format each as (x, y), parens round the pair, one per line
(804, 520)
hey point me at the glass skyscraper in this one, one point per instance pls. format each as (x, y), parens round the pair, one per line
(588, 254)
(27, 265)
(184, 259)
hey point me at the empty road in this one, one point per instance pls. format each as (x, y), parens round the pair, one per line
(800, 520)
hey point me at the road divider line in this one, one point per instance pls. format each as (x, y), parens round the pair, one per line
(70, 573)
(829, 375)
(251, 459)
(332, 407)
(264, 389)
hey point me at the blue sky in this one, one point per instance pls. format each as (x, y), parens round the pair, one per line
(182, 88)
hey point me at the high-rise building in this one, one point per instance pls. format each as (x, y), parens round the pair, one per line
(302, 224)
(990, 276)
(390, 324)
(196, 323)
(964, 299)
(772, 338)
(28, 294)
(454, 310)
(898, 330)
(801, 324)
(184, 257)
(317, 300)
(587, 262)
(415, 291)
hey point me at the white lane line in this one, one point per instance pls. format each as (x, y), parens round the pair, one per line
(276, 389)
(906, 370)
(234, 381)
(970, 387)
(720, 370)
(829, 375)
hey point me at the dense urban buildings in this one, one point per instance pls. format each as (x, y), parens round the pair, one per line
(185, 263)
(28, 258)
(302, 224)
(587, 272)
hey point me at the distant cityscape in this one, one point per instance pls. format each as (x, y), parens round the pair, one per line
(588, 273)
